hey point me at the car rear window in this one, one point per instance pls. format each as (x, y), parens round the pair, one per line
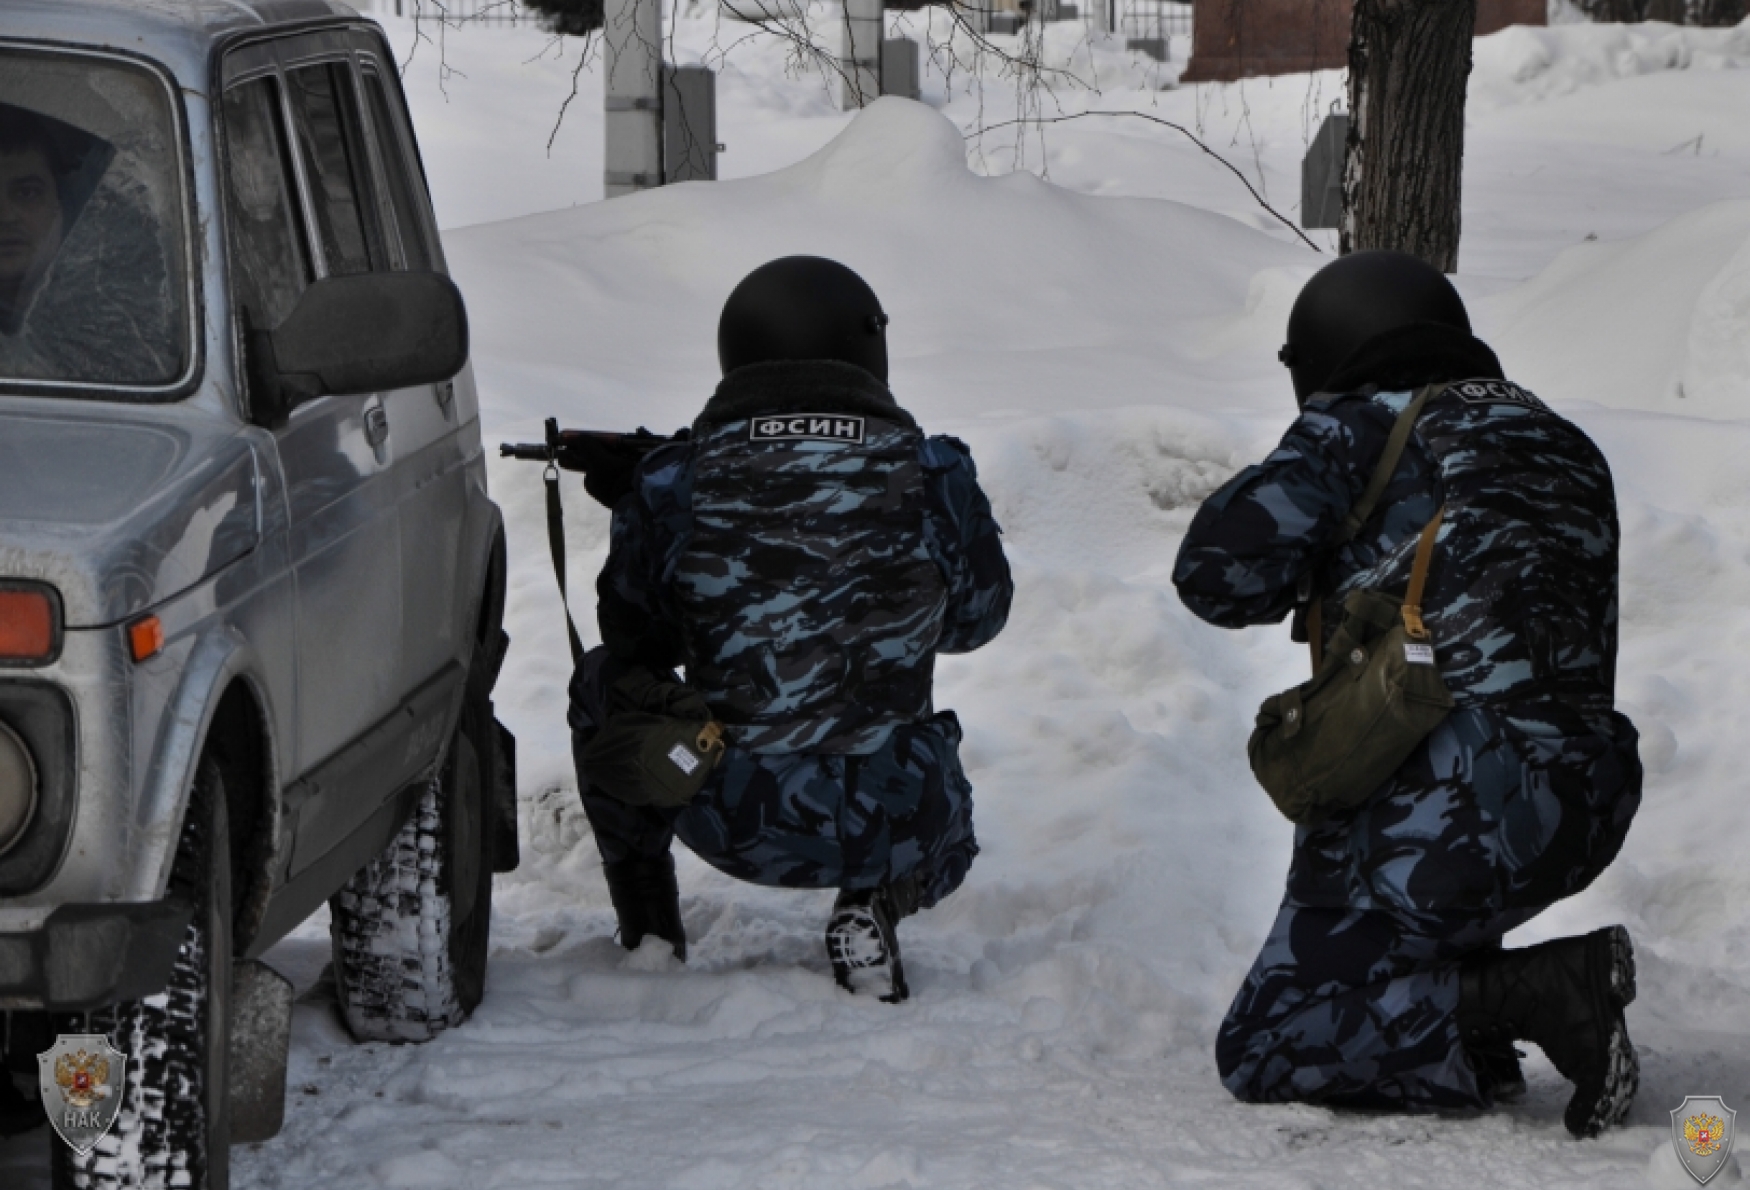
(94, 284)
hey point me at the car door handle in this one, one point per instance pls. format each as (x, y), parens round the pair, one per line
(376, 425)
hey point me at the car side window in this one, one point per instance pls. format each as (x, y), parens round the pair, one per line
(392, 141)
(269, 264)
(332, 147)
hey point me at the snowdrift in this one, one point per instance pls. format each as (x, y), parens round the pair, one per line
(1660, 322)
(1525, 63)
(1006, 293)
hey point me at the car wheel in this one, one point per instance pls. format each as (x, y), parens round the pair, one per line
(174, 1126)
(411, 929)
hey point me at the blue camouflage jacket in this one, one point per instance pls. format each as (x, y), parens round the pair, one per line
(1522, 591)
(804, 555)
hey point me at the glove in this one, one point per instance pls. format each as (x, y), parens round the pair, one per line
(608, 461)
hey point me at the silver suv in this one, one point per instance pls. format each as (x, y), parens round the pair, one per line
(251, 581)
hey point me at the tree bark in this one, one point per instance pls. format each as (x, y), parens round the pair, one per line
(1409, 63)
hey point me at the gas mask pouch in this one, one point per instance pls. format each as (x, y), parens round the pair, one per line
(1327, 744)
(658, 746)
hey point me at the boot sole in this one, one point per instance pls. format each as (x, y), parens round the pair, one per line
(887, 978)
(1615, 986)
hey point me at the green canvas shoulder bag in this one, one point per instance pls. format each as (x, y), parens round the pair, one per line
(658, 746)
(1375, 694)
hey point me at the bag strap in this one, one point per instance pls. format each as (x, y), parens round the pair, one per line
(1388, 462)
(1363, 508)
(1412, 609)
(556, 544)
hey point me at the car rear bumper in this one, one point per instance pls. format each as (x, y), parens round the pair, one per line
(87, 956)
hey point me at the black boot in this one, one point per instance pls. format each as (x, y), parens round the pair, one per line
(1497, 1067)
(647, 900)
(1567, 996)
(863, 945)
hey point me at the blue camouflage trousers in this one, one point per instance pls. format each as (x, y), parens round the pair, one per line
(800, 819)
(1353, 1000)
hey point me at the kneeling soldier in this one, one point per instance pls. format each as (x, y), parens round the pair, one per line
(1383, 983)
(804, 555)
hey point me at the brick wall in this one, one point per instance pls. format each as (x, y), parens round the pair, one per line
(1234, 39)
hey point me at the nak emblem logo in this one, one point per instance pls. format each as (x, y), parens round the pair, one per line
(81, 1078)
(816, 427)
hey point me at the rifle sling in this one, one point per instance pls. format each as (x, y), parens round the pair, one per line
(556, 543)
(1388, 463)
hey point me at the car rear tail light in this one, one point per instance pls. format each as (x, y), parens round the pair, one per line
(18, 788)
(30, 624)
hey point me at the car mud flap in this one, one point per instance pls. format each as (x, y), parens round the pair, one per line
(506, 853)
(261, 1036)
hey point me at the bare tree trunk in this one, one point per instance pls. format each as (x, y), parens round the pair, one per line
(1409, 62)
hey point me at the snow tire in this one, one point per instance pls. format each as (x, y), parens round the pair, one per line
(411, 930)
(173, 1129)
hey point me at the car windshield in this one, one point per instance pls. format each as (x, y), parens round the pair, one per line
(93, 269)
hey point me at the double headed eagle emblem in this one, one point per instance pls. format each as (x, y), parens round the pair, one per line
(1704, 1134)
(83, 1078)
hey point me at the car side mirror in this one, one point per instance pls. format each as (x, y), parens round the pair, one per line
(360, 334)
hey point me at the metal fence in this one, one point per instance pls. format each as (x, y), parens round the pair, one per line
(1154, 19)
(474, 12)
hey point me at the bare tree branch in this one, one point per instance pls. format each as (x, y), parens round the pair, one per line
(589, 41)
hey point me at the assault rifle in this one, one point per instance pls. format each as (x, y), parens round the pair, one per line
(606, 460)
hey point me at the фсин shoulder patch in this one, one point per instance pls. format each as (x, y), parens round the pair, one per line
(822, 427)
(1495, 392)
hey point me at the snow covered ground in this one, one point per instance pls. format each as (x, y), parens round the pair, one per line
(1105, 342)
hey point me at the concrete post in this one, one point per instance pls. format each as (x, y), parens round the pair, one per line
(860, 62)
(632, 54)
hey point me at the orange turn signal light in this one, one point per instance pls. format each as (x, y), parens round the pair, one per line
(146, 638)
(30, 624)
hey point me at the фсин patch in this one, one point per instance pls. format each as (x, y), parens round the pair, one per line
(823, 427)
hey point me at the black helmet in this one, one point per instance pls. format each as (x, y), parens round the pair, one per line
(799, 308)
(1356, 298)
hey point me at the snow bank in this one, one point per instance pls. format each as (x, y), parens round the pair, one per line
(1524, 62)
(1660, 322)
(1006, 293)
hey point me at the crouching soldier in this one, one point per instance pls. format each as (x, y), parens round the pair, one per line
(804, 555)
(1383, 983)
